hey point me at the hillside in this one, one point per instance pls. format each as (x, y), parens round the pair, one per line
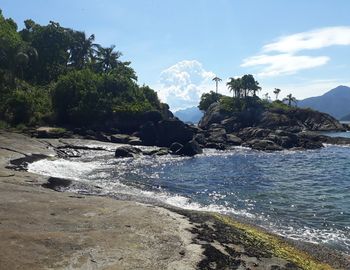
(345, 118)
(192, 115)
(335, 102)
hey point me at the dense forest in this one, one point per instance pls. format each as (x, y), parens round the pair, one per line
(58, 76)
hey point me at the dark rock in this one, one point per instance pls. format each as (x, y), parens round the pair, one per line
(172, 130)
(218, 146)
(102, 137)
(148, 133)
(233, 139)
(120, 138)
(134, 141)
(200, 138)
(310, 144)
(57, 184)
(336, 140)
(231, 124)
(127, 151)
(162, 152)
(190, 149)
(250, 133)
(213, 115)
(174, 147)
(265, 145)
(217, 135)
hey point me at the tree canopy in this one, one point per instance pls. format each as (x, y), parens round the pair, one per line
(50, 73)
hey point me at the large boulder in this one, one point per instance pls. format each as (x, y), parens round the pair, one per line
(174, 147)
(126, 151)
(165, 132)
(120, 138)
(148, 133)
(191, 148)
(173, 130)
(214, 114)
(233, 139)
(217, 135)
(265, 145)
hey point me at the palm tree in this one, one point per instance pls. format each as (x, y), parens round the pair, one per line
(107, 58)
(83, 50)
(235, 86)
(276, 92)
(249, 84)
(290, 99)
(217, 80)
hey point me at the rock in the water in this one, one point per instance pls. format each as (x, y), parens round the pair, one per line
(265, 145)
(218, 146)
(190, 149)
(217, 135)
(134, 141)
(174, 147)
(120, 138)
(233, 139)
(127, 151)
(173, 130)
(148, 133)
(200, 138)
(166, 132)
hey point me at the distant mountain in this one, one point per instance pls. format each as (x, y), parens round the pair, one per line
(192, 115)
(345, 118)
(335, 102)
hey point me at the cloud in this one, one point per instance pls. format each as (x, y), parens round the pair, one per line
(283, 64)
(182, 84)
(280, 57)
(311, 40)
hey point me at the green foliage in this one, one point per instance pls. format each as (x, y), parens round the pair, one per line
(82, 97)
(51, 73)
(207, 99)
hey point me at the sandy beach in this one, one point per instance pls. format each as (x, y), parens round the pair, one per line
(44, 229)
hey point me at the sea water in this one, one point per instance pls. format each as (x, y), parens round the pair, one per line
(302, 195)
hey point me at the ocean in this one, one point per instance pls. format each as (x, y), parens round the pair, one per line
(302, 195)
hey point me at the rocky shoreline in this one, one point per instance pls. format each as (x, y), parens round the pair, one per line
(269, 130)
(46, 226)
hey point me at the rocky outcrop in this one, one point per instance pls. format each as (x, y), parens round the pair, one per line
(166, 132)
(297, 119)
(126, 151)
(213, 115)
(190, 149)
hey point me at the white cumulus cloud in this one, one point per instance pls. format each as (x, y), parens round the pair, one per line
(283, 64)
(182, 84)
(311, 40)
(281, 58)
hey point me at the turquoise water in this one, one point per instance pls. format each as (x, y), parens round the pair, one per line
(302, 195)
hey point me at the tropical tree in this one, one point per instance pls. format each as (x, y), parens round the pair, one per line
(207, 99)
(249, 84)
(290, 99)
(276, 92)
(107, 58)
(235, 86)
(267, 97)
(217, 80)
(83, 50)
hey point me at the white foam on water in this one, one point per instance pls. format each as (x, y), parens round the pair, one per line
(80, 171)
(62, 168)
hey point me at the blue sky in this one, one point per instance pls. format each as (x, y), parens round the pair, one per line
(302, 47)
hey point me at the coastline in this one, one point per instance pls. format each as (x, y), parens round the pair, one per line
(60, 230)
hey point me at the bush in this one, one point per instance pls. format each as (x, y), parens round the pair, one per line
(19, 108)
(207, 99)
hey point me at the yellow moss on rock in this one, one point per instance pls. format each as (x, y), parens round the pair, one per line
(277, 246)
